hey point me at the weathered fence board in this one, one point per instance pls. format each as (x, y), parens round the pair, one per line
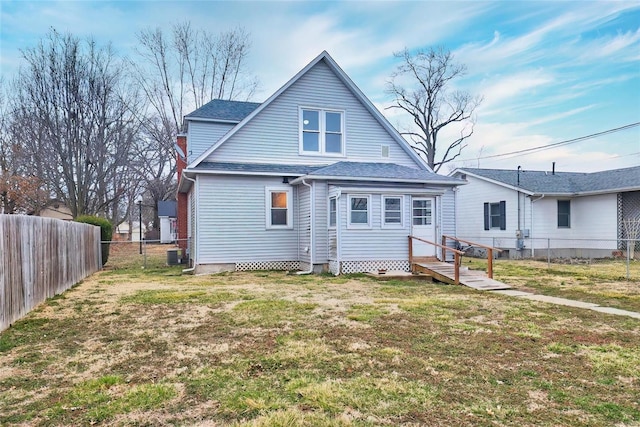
(40, 258)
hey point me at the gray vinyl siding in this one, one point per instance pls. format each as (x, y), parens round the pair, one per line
(321, 222)
(272, 136)
(202, 135)
(304, 221)
(375, 243)
(232, 222)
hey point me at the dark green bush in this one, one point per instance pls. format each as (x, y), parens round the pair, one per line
(106, 231)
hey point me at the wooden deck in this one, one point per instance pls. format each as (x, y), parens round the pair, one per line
(444, 272)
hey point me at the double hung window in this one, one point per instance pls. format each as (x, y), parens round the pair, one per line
(392, 211)
(321, 132)
(278, 204)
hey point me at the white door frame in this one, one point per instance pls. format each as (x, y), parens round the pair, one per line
(425, 231)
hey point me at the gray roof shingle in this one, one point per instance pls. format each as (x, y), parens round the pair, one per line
(542, 182)
(294, 170)
(223, 110)
(346, 170)
(388, 171)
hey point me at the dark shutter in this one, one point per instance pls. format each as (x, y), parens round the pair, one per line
(486, 216)
(503, 215)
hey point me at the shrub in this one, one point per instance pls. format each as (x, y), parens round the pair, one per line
(106, 231)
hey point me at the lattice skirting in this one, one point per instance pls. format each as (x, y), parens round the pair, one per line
(364, 266)
(268, 265)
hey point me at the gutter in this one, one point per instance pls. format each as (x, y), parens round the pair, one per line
(311, 220)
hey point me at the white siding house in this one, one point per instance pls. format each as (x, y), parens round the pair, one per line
(522, 211)
(312, 179)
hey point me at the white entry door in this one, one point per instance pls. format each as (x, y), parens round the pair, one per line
(423, 225)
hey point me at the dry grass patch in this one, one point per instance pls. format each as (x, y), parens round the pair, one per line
(133, 347)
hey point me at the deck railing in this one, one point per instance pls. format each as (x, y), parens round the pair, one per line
(489, 249)
(445, 248)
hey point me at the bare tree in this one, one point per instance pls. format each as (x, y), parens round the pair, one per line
(75, 117)
(180, 72)
(421, 88)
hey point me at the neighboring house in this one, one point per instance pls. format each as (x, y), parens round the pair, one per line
(314, 178)
(123, 232)
(56, 209)
(577, 214)
(167, 214)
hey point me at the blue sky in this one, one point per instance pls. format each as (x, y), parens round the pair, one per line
(549, 71)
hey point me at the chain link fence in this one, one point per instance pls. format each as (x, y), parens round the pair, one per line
(147, 254)
(624, 254)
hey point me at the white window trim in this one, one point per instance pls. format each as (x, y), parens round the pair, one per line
(329, 226)
(382, 209)
(322, 132)
(351, 225)
(267, 204)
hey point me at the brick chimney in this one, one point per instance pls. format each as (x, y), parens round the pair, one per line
(181, 163)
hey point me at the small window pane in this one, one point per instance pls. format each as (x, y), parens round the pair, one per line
(495, 215)
(278, 217)
(310, 141)
(333, 143)
(421, 212)
(332, 212)
(358, 217)
(279, 200)
(334, 122)
(564, 213)
(392, 210)
(310, 120)
(359, 203)
(359, 212)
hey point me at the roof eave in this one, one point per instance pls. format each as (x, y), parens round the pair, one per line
(371, 179)
(210, 120)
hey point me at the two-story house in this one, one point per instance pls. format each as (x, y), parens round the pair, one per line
(313, 179)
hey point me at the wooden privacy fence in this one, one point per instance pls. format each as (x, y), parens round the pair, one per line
(40, 258)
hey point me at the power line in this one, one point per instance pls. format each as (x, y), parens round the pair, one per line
(558, 144)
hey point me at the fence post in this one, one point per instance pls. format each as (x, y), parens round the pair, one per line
(628, 260)
(548, 253)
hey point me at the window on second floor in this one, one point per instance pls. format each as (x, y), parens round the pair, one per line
(564, 213)
(321, 132)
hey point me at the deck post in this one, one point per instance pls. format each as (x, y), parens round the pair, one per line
(456, 269)
(410, 254)
(490, 263)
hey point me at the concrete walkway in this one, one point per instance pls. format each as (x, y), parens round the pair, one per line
(569, 303)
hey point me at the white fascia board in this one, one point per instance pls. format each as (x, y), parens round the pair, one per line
(393, 190)
(500, 183)
(222, 172)
(368, 179)
(204, 119)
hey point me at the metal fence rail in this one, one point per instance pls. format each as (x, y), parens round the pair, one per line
(42, 257)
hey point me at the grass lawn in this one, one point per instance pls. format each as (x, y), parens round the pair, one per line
(153, 347)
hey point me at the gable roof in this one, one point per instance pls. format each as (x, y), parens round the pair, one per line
(324, 56)
(221, 110)
(561, 183)
(360, 171)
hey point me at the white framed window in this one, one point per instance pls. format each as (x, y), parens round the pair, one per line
(392, 211)
(333, 212)
(359, 211)
(278, 203)
(321, 132)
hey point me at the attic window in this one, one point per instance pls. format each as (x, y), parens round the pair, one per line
(321, 132)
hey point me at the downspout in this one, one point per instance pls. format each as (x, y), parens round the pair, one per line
(531, 232)
(338, 233)
(311, 219)
(190, 270)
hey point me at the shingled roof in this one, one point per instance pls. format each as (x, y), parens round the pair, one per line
(567, 183)
(222, 110)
